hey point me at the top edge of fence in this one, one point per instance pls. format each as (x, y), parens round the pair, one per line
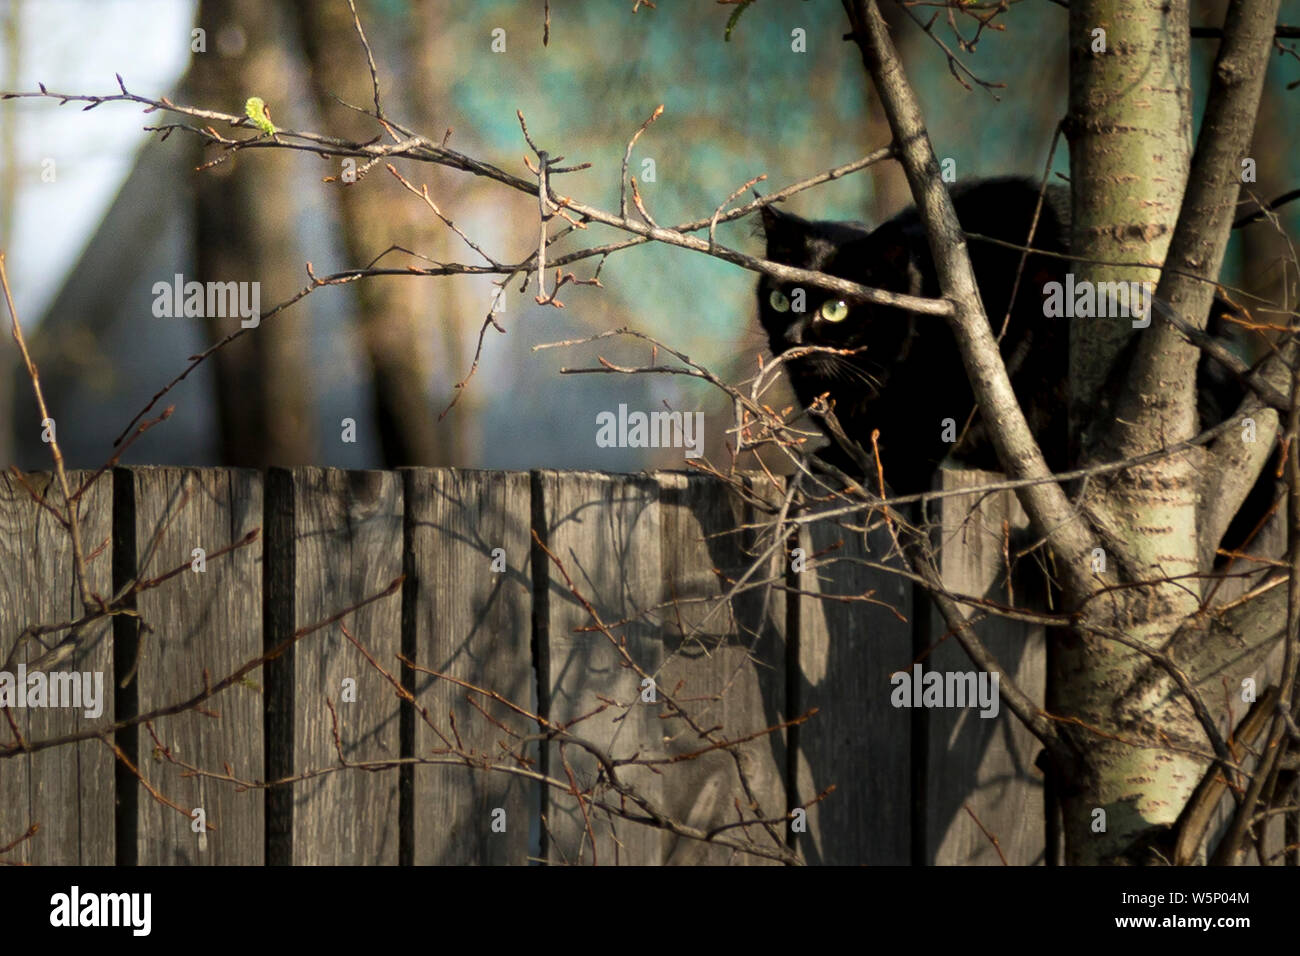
(644, 475)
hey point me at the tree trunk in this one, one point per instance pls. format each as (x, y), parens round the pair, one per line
(1139, 743)
(245, 232)
(401, 318)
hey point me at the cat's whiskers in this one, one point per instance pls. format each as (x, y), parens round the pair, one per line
(843, 368)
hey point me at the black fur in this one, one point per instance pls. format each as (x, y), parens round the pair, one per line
(907, 376)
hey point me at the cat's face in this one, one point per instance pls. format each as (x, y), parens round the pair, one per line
(796, 315)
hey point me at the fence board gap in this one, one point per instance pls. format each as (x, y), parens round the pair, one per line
(126, 650)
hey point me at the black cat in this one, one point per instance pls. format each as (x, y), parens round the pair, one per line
(907, 377)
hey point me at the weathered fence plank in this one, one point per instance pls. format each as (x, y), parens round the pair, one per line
(606, 532)
(984, 764)
(472, 622)
(65, 791)
(203, 624)
(857, 741)
(726, 664)
(338, 534)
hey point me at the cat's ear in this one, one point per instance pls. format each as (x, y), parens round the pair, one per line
(768, 213)
(774, 221)
(770, 216)
(786, 234)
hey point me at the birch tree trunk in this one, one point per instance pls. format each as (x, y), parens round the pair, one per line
(1135, 724)
(1130, 135)
(1142, 754)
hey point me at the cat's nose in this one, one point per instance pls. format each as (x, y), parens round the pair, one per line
(794, 334)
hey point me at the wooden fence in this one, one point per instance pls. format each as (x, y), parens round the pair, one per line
(646, 551)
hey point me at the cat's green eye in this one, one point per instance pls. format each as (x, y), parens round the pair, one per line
(835, 310)
(779, 301)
